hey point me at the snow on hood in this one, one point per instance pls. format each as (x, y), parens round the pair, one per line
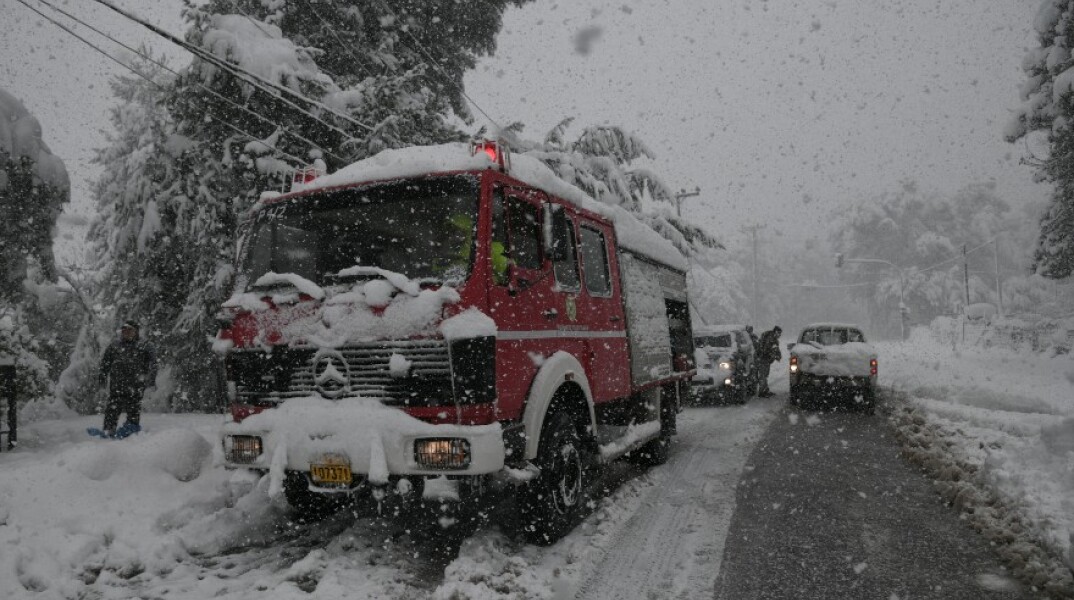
(301, 284)
(423, 160)
(837, 360)
(390, 307)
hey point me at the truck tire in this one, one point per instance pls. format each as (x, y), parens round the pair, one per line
(868, 401)
(310, 506)
(550, 503)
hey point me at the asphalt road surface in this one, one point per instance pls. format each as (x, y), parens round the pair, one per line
(826, 508)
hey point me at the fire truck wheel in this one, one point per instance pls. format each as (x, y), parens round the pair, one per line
(549, 504)
(310, 506)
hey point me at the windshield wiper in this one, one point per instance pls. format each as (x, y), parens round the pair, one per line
(348, 277)
(268, 287)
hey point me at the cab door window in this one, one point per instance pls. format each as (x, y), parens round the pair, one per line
(566, 270)
(516, 236)
(524, 224)
(595, 262)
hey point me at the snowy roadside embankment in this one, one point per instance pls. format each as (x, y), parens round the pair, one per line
(996, 431)
(156, 515)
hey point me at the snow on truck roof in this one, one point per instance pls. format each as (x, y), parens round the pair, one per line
(714, 329)
(416, 161)
(832, 326)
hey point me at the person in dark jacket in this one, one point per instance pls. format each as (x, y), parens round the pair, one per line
(756, 352)
(128, 367)
(767, 354)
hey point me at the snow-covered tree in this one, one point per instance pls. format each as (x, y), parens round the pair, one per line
(194, 150)
(33, 189)
(1048, 106)
(716, 292)
(922, 235)
(602, 163)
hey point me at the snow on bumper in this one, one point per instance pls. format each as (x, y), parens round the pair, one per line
(814, 380)
(713, 377)
(377, 441)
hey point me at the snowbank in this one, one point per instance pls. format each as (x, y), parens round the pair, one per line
(77, 511)
(996, 429)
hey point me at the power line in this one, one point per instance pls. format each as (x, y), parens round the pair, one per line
(957, 258)
(237, 71)
(164, 66)
(139, 73)
(335, 35)
(835, 286)
(434, 64)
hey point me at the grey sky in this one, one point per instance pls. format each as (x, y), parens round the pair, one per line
(781, 110)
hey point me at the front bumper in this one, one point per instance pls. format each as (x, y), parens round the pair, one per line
(376, 455)
(710, 380)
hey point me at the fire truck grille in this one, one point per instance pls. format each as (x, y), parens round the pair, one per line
(422, 374)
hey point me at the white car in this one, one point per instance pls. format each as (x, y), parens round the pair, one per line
(832, 361)
(724, 355)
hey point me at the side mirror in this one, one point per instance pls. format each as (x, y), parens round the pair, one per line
(555, 232)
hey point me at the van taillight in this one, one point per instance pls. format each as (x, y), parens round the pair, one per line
(872, 366)
(794, 364)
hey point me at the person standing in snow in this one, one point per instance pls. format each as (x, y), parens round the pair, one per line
(129, 368)
(767, 353)
(755, 352)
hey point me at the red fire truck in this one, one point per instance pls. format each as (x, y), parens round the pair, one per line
(433, 322)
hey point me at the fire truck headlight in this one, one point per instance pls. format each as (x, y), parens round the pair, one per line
(242, 449)
(442, 453)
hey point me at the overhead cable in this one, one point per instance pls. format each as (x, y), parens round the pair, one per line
(254, 79)
(140, 74)
(432, 62)
(204, 87)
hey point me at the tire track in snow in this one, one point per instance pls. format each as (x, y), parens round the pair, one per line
(672, 546)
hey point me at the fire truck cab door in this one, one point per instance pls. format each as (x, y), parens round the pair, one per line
(527, 302)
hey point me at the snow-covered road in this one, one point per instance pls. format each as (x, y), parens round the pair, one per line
(672, 545)
(152, 516)
(156, 516)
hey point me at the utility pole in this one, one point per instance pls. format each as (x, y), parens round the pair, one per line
(966, 279)
(999, 288)
(966, 275)
(755, 305)
(682, 195)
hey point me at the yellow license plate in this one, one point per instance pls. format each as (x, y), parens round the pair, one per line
(331, 474)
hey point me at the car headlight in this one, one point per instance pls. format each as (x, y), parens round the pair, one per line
(242, 449)
(726, 366)
(442, 453)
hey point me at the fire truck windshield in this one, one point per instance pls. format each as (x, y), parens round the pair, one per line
(424, 229)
